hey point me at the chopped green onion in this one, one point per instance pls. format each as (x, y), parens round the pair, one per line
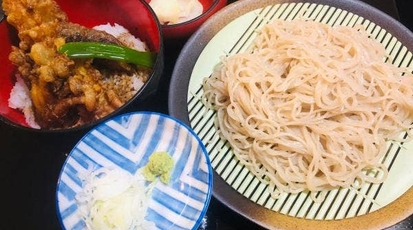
(107, 51)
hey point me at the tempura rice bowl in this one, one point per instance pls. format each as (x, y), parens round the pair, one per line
(142, 25)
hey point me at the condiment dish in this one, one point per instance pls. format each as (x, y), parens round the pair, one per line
(126, 143)
(185, 29)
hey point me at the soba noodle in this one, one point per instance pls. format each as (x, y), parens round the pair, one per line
(309, 107)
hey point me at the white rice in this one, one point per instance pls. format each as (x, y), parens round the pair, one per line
(123, 35)
(20, 99)
(137, 83)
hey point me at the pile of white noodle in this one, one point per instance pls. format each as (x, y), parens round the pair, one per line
(309, 107)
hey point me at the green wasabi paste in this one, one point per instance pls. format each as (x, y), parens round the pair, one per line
(160, 165)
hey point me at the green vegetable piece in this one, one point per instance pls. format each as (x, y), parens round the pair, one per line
(107, 51)
(160, 164)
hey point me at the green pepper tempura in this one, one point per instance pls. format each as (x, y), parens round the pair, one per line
(107, 51)
(160, 165)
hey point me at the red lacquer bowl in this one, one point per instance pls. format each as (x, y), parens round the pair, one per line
(185, 29)
(134, 15)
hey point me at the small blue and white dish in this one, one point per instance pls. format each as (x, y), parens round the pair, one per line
(125, 142)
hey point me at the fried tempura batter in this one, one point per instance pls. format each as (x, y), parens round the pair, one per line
(64, 92)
